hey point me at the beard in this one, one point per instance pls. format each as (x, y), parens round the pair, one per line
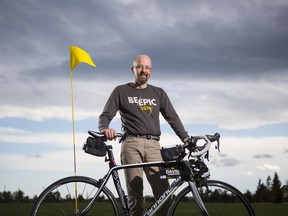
(142, 78)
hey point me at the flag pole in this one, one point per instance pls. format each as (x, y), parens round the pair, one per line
(73, 134)
(73, 121)
(77, 55)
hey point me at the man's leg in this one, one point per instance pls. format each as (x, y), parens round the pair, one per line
(131, 153)
(159, 186)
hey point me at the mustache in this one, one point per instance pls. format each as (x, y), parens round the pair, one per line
(142, 73)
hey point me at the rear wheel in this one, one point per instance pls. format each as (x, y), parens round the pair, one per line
(69, 196)
(220, 199)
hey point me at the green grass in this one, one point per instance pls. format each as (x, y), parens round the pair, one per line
(15, 209)
(270, 209)
(261, 209)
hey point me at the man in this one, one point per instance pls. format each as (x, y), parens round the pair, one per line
(139, 104)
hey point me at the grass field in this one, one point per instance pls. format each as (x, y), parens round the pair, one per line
(270, 209)
(261, 209)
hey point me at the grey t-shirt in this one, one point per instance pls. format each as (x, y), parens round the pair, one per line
(139, 110)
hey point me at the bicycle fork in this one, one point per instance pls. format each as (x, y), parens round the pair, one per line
(198, 198)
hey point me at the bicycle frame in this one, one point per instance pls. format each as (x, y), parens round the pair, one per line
(193, 171)
(113, 171)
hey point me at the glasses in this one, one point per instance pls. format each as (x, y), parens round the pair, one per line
(142, 67)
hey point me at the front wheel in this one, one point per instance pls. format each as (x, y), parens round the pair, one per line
(69, 196)
(219, 198)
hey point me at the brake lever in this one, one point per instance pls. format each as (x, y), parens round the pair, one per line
(215, 137)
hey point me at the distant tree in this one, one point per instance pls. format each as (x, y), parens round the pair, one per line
(276, 189)
(53, 197)
(18, 196)
(80, 197)
(258, 192)
(262, 193)
(35, 197)
(269, 183)
(284, 189)
(268, 192)
(7, 196)
(216, 195)
(249, 196)
(68, 197)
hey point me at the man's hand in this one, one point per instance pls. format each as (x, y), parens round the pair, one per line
(192, 144)
(110, 133)
(185, 140)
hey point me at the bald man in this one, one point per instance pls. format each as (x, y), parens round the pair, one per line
(139, 104)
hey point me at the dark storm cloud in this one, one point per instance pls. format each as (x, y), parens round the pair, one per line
(225, 161)
(260, 156)
(33, 155)
(202, 38)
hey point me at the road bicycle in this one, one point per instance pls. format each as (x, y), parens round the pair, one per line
(190, 193)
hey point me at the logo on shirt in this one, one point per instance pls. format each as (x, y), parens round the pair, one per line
(144, 104)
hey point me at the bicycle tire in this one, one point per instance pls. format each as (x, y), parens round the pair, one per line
(223, 199)
(59, 198)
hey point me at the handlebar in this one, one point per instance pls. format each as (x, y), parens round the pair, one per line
(101, 135)
(194, 150)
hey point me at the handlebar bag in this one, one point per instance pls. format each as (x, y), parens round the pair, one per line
(95, 147)
(172, 153)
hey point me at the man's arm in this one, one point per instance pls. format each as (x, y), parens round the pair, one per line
(108, 114)
(170, 115)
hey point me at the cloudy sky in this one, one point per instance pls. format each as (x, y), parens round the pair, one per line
(223, 63)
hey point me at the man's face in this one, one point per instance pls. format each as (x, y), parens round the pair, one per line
(142, 70)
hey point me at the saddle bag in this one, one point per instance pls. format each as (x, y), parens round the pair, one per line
(95, 146)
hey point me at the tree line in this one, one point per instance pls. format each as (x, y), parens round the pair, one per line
(269, 191)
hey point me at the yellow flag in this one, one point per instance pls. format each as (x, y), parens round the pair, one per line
(78, 55)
